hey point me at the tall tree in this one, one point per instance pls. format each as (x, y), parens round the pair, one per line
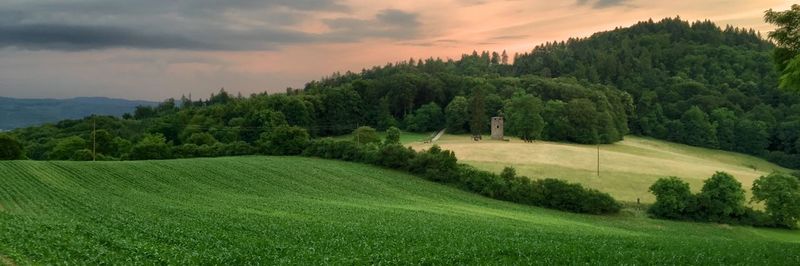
(697, 129)
(523, 117)
(457, 114)
(477, 111)
(787, 37)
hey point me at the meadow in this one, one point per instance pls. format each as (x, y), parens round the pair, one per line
(627, 168)
(293, 210)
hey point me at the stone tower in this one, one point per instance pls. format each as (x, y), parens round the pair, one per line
(497, 128)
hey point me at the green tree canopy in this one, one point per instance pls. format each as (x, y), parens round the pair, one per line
(697, 129)
(673, 198)
(523, 117)
(721, 197)
(457, 114)
(284, 140)
(10, 148)
(781, 195)
(392, 136)
(151, 147)
(365, 134)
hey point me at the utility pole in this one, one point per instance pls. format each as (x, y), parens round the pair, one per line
(598, 160)
(94, 138)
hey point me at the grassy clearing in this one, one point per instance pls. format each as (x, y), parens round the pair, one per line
(289, 210)
(627, 168)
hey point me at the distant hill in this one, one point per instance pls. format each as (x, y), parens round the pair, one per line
(16, 113)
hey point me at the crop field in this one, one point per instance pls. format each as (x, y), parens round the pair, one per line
(291, 210)
(627, 168)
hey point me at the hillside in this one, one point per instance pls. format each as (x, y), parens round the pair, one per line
(691, 82)
(18, 113)
(279, 210)
(627, 168)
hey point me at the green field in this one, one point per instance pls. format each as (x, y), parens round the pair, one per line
(291, 210)
(627, 168)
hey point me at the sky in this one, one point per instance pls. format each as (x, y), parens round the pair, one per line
(157, 49)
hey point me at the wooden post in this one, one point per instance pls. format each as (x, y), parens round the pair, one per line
(598, 160)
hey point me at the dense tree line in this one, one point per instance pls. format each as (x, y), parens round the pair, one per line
(722, 200)
(691, 83)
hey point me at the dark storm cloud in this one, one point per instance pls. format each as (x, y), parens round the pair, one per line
(600, 4)
(388, 23)
(189, 25)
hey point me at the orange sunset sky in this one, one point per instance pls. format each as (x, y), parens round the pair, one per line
(153, 49)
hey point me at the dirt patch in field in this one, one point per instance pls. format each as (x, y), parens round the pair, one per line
(6, 261)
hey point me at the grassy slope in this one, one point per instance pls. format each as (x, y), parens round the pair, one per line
(304, 210)
(627, 168)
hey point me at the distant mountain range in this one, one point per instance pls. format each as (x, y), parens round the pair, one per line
(16, 113)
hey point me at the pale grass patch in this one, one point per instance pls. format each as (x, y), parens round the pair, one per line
(627, 168)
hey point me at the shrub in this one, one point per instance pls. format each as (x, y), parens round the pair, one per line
(673, 198)
(392, 136)
(236, 148)
(82, 155)
(10, 148)
(201, 139)
(560, 195)
(152, 146)
(66, 147)
(284, 140)
(721, 198)
(781, 195)
(364, 135)
(435, 164)
(394, 156)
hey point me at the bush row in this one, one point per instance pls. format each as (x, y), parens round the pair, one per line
(442, 166)
(722, 200)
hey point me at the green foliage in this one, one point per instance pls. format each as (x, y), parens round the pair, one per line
(721, 197)
(394, 156)
(365, 135)
(721, 200)
(751, 136)
(392, 136)
(787, 55)
(201, 139)
(428, 117)
(10, 148)
(582, 118)
(82, 155)
(457, 114)
(697, 129)
(523, 115)
(560, 195)
(478, 121)
(435, 164)
(669, 66)
(151, 147)
(284, 140)
(781, 196)
(674, 200)
(442, 166)
(66, 147)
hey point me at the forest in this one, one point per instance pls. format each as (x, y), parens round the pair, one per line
(693, 83)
